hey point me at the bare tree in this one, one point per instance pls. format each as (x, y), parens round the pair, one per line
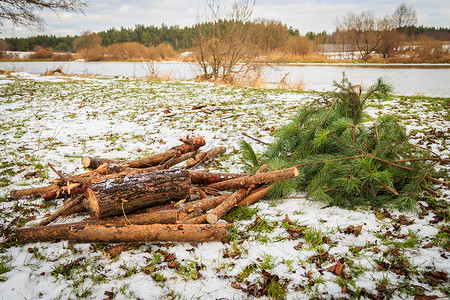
(365, 32)
(26, 12)
(223, 42)
(404, 16)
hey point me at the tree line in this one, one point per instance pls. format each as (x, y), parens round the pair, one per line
(181, 38)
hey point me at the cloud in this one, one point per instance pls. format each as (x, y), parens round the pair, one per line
(305, 15)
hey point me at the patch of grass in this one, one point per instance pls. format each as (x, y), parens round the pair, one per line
(442, 238)
(5, 267)
(240, 213)
(263, 225)
(267, 262)
(246, 272)
(313, 237)
(190, 270)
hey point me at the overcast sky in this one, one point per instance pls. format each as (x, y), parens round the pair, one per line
(304, 15)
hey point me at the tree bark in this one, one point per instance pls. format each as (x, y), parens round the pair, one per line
(254, 179)
(81, 233)
(116, 196)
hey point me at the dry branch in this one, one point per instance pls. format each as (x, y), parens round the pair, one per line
(157, 159)
(255, 179)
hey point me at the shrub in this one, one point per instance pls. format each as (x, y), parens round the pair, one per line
(42, 53)
(299, 45)
(96, 53)
(165, 51)
(129, 50)
(63, 56)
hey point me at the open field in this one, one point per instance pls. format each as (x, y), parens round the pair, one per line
(384, 253)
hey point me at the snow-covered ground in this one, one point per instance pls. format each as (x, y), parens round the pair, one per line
(384, 253)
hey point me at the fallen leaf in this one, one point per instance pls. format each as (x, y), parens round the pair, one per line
(355, 230)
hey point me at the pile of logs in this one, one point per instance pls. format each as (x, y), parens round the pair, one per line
(147, 200)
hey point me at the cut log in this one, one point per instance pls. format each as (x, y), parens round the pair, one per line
(237, 197)
(226, 205)
(156, 217)
(128, 234)
(212, 153)
(32, 192)
(116, 196)
(257, 194)
(179, 159)
(157, 159)
(202, 177)
(94, 162)
(255, 179)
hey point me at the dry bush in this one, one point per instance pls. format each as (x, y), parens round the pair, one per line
(250, 74)
(127, 51)
(165, 51)
(286, 83)
(3, 48)
(42, 53)
(285, 56)
(96, 53)
(426, 50)
(63, 56)
(155, 73)
(299, 45)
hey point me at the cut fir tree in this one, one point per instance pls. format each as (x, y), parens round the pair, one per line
(345, 161)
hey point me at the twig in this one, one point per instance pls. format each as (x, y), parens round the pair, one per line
(63, 178)
(67, 206)
(438, 159)
(431, 191)
(387, 187)
(255, 139)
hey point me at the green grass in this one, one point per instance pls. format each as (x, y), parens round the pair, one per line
(5, 267)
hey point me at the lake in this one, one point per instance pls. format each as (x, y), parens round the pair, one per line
(416, 79)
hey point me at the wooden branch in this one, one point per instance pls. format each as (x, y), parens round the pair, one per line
(236, 197)
(61, 176)
(255, 196)
(440, 160)
(255, 179)
(179, 159)
(157, 159)
(202, 177)
(208, 155)
(386, 187)
(226, 205)
(32, 192)
(255, 139)
(118, 234)
(66, 207)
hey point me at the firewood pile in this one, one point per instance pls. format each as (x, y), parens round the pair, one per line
(146, 200)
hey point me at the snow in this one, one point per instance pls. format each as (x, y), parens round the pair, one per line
(58, 119)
